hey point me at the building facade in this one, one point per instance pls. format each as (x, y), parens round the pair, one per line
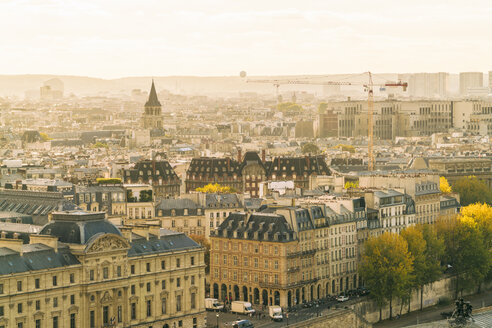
(82, 271)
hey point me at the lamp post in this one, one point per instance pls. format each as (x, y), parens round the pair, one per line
(217, 320)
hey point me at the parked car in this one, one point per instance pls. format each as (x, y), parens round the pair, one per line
(243, 324)
(342, 298)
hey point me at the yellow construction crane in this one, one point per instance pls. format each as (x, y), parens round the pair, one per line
(368, 87)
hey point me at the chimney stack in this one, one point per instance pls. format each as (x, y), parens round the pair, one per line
(263, 155)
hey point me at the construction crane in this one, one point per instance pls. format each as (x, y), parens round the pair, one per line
(368, 87)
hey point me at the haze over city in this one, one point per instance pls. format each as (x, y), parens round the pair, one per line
(242, 164)
(112, 39)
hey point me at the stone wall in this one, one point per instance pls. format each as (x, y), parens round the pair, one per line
(443, 288)
(334, 319)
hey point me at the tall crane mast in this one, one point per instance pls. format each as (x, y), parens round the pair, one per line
(369, 87)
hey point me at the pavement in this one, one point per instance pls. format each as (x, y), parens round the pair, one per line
(433, 313)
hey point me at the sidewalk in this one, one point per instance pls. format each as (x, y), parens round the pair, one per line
(434, 313)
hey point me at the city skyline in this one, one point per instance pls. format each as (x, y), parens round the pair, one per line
(111, 40)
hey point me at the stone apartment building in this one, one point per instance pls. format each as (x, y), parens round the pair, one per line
(157, 173)
(246, 174)
(422, 187)
(82, 271)
(287, 255)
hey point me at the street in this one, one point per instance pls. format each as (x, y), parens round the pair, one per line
(226, 319)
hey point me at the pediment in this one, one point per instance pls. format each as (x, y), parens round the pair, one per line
(107, 242)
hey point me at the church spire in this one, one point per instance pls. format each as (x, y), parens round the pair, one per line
(153, 100)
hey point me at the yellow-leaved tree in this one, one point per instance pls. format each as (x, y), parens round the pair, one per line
(445, 187)
(214, 188)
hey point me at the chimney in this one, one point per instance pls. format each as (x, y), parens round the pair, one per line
(48, 240)
(13, 244)
(4, 234)
(16, 235)
(239, 155)
(263, 155)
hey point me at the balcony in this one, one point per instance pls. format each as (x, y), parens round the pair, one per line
(293, 269)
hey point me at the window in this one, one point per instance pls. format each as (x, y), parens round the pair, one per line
(148, 286)
(224, 259)
(20, 325)
(37, 323)
(19, 308)
(19, 286)
(132, 289)
(72, 278)
(149, 308)
(178, 263)
(163, 306)
(163, 265)
(133, 312)
(266, 264)
(91, 275)
(118, 270)
(148, 266)
(178, 282)
(245, 261)
(193, 300)
(38, 305)
(276, 265)
(92, 319)
(36, 283)
(192, 280)
(1, 311)
(119, 314)
(180, 323)
(192, 260)
(256, 262)
(194, 323)
(55, 301)
(72, 299)
(178, 303)
(55, 280)
(163, 284)
(105, 315)
(1, 288)
(72, 320)
(234, 259)
(132, 269)
(105, 273)
(55, 322)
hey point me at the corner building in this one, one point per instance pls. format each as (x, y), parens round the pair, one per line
(82, 271)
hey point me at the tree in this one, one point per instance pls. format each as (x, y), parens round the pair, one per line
(472, 190)
(215, 188)
(310, 148)
(322, 107)
(426, 249)
(466, 252)
(351, 185)
(481, 214)
(202, 240)
(387, 268)
(108, 181)
(145, 196)
(44, 136)
(289, 107)
(444, 185)
(348, 148)
(100, 145)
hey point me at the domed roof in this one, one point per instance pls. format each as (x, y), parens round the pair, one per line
(77, 227)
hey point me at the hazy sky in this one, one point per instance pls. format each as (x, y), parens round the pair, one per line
(116, 38)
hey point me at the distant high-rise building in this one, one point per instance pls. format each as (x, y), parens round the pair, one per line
(470, 80)
(426, 85)
(490, 81)
(152, 117)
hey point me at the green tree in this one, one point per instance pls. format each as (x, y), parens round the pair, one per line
(146, 196)
(349, 148)
(351, 185)
(386, 268)
(427, 250)
(322, 107)
(44, 136)
(466, 252)
(472, 190)
(310, 148)
(108, 181)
